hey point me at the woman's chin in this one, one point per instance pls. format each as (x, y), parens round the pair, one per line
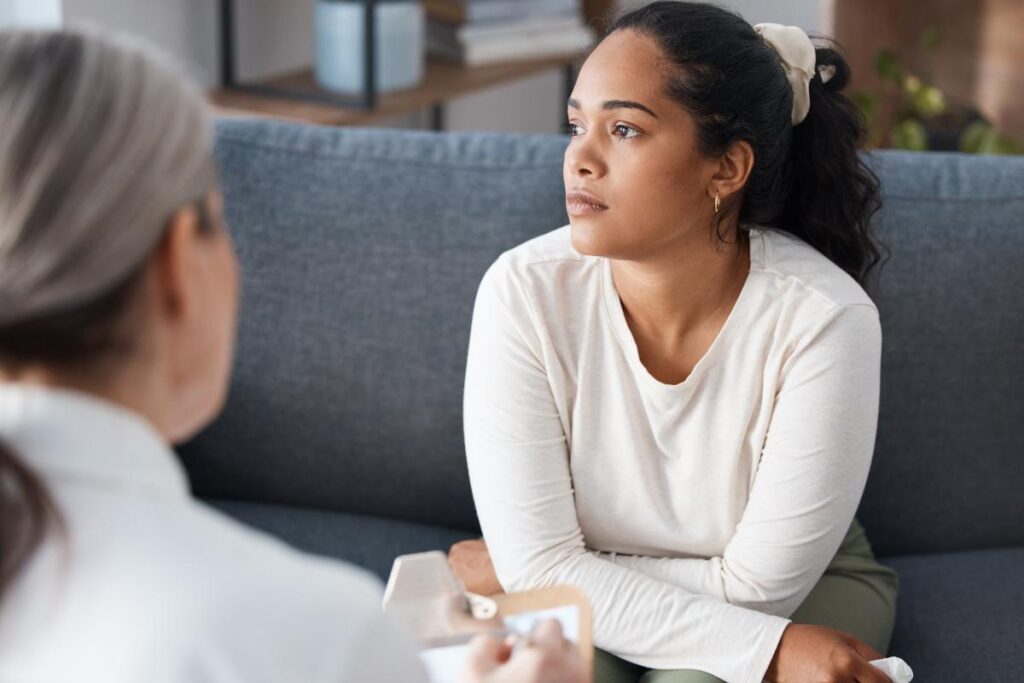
(588, 237)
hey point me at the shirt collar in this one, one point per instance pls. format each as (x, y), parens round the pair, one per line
(71, 436)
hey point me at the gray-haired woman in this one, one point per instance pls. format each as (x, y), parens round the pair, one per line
(118, 291)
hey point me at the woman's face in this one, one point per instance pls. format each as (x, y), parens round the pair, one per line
(635, 183)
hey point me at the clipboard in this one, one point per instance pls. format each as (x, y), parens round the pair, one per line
(443, 616)
(543, 599)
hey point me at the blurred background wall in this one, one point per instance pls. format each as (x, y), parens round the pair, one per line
(275, 36)
(978, 60)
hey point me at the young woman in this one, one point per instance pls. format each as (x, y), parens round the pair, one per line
(672, 402)
(118, 291)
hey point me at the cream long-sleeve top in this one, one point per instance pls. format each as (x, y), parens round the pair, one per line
(149, 585)
(697, 516)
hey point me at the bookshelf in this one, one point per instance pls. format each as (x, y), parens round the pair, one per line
(297, 97)
(442, 82)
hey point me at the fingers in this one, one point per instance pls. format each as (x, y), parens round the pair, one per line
(547, 636)
(864, 671)
(543, 656)
(486, 653)
(868, 673)
(851, 663)
(548, 633)
(864, 650)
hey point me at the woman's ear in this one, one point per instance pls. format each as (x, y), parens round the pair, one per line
(733, 169)
(175, 259)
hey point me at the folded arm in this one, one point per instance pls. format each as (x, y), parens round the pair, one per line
(810, 479)
(519, 471)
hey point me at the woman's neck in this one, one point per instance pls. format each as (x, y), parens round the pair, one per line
(133, 390)
(667, 297)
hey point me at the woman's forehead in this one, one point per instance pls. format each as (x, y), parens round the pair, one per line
(624, 66)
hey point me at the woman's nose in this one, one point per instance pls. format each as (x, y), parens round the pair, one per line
(582, 160)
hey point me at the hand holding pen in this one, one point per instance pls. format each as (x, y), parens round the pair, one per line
(542, 656)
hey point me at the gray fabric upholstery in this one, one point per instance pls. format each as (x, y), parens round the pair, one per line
(960, 616)
(370, 542)
(361, 253)
(949, 460)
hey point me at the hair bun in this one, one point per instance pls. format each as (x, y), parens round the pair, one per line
(831, 69)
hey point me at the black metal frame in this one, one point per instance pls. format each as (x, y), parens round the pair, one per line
(570, 83)
(369, 96)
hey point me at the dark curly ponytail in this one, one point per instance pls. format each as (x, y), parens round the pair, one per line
(833, 194)
(808, 179)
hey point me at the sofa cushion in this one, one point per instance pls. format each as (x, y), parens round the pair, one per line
(948, 469)
(959, 615)
(361, 253)
(369, 542)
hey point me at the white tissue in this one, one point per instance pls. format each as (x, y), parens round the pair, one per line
(895, 668)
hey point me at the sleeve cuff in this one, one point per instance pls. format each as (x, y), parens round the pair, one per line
(766, 649)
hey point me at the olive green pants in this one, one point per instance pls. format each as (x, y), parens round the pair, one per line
(856, 595)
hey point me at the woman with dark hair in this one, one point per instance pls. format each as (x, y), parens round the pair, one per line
(672, 402)
(118, 293)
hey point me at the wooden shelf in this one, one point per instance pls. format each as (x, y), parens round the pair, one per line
(442, 81)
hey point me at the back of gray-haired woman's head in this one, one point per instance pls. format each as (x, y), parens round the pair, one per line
(100, 142)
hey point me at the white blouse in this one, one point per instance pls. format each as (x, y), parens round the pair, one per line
(149, 585)
(695, 516)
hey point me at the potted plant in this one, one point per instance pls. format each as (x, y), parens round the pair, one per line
(907, 111)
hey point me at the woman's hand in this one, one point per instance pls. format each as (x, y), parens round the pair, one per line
(472, 565)
(818, 654)
(545, 656)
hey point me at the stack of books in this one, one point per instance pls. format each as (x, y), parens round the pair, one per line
(479, 32)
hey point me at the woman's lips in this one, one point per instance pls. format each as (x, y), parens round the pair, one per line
(580, 203)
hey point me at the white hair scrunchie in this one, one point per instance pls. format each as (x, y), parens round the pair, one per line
(796, 51)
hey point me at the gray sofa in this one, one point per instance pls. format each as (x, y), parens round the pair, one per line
(361, 253)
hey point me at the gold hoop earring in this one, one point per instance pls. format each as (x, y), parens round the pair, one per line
(718, 203)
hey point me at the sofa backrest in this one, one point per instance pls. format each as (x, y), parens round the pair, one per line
(948, 472)
(361, 252)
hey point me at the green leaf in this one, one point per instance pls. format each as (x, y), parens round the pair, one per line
(887, 64)
(931, 38)
(982, 138)
(1003, 144)
(970, 139)
(909, 134)
(929, 101)
(989, 142)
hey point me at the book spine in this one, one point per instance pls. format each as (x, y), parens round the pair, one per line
(534, 47)
(474, 32)
(494, 10)
(479, 12)
(447, 11)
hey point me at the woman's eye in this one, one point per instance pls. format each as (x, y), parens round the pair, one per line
(574, 129)
(624, 131)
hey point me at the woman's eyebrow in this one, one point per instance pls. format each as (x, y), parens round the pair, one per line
(615, 104)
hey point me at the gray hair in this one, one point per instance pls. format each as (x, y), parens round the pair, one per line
(101, 141)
